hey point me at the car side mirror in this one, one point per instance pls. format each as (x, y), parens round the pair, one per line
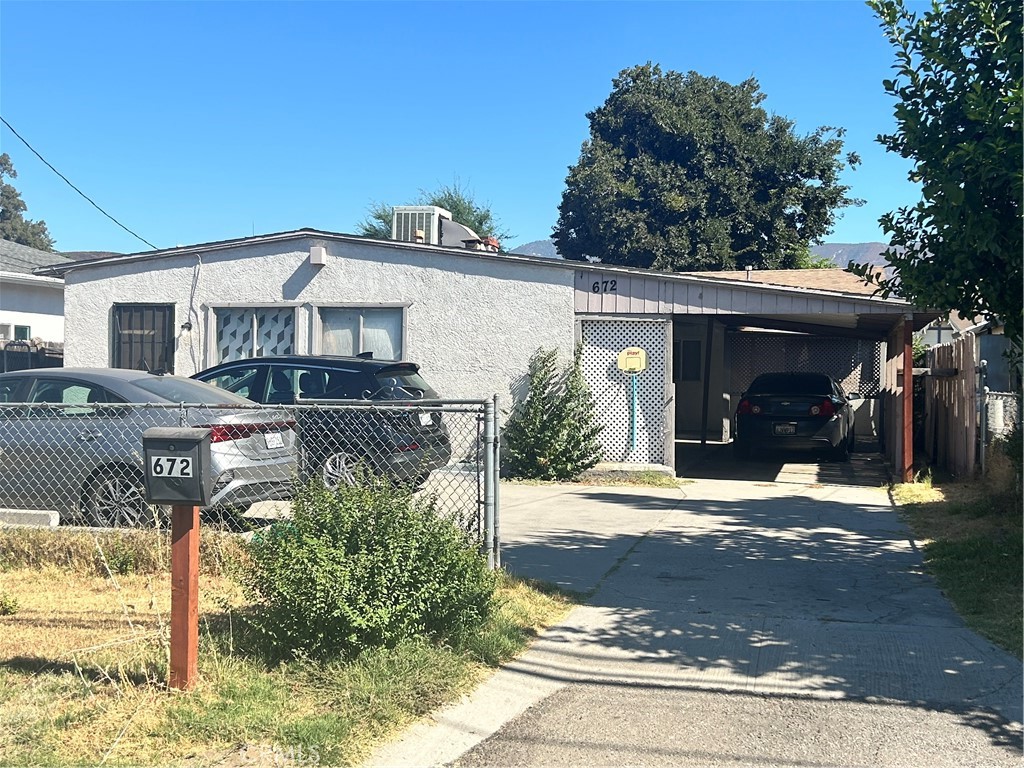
(854, 396)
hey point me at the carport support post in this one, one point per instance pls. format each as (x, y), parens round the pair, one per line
(907, 459)
(184, 596)
(709, 339)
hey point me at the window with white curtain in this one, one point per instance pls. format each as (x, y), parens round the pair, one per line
(355, 330)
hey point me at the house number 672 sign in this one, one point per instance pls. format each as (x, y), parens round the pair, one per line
(170, 466)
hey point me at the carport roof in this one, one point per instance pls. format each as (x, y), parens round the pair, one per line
(833, 280)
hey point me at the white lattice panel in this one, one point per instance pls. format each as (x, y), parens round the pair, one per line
(602, 342)
(855, 363)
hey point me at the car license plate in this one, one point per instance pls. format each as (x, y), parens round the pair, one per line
(426, 419)
(274, 440)
(784, 429)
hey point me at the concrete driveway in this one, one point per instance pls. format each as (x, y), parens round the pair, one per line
(731, 622)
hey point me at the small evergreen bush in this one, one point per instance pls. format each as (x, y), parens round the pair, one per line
(552, 434)
(364, 566)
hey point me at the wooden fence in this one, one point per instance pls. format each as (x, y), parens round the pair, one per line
(951, 407)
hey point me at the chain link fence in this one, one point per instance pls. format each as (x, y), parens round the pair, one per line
(83, 461)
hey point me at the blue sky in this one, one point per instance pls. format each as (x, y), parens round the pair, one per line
(193, 122)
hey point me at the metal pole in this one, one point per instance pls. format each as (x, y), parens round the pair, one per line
(982, 412)
(632, 427)
(497, 484)
(489, 481)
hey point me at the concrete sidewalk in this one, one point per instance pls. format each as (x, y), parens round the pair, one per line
(730, 622)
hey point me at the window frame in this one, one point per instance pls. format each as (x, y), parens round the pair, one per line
(21, 332)
(211, 326)
(169, 342)
(317, 345)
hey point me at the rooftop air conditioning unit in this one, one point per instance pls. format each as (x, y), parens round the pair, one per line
(418, 223)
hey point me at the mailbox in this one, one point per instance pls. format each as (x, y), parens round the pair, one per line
(177, 465)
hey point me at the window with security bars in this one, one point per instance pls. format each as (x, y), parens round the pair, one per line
(143, 337)
(244, 332)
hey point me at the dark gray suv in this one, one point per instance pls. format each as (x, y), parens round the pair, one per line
(379, 429)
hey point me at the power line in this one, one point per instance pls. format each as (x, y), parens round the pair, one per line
(68, 182)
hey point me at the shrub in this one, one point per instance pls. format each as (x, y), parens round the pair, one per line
(360, 567)
(552, 433)
(8, 604)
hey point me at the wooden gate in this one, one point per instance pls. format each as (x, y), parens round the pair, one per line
(951, 407)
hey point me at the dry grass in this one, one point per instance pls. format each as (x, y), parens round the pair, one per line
(974, 545)
(84, 658)
(955, 511)
(645, 478)
(120, 552)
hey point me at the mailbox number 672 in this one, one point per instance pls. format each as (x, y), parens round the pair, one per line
(170, 466)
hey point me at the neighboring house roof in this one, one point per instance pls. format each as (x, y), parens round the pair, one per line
(21, 259)
(814, 279)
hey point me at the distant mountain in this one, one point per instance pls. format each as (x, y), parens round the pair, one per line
(841, 254)
(88, 255)
(545, 248)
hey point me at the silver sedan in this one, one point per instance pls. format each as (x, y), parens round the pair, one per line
(71, 441)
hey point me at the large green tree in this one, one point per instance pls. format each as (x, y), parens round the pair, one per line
(13, 224)
(958, 117)
(687, 172)
(454, 198)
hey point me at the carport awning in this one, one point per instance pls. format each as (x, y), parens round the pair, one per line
(873, 327)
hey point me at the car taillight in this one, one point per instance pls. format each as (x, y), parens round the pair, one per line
(408, 446)
(220, 433)
(825, 408)
(743, 408)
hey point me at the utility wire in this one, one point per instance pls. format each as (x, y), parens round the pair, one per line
(122, 226)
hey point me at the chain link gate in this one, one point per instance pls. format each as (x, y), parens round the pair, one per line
(82, 462)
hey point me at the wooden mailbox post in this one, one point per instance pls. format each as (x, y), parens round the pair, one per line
(177, 462)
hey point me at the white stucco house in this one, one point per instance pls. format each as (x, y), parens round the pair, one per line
(473, 318)
(31, 305)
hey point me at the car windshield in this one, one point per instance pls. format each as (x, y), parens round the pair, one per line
(791, 384)
(403, 384)
(178, 390)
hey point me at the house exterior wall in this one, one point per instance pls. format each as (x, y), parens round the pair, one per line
(472, 324)
(35, 302)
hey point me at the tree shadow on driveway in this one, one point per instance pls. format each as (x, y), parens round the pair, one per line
(786, 594)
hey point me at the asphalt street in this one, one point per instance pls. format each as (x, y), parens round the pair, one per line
(770, 621)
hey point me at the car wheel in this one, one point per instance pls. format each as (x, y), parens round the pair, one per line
(852, 442)
(842, 451)
(116, 498)
(340, 468)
